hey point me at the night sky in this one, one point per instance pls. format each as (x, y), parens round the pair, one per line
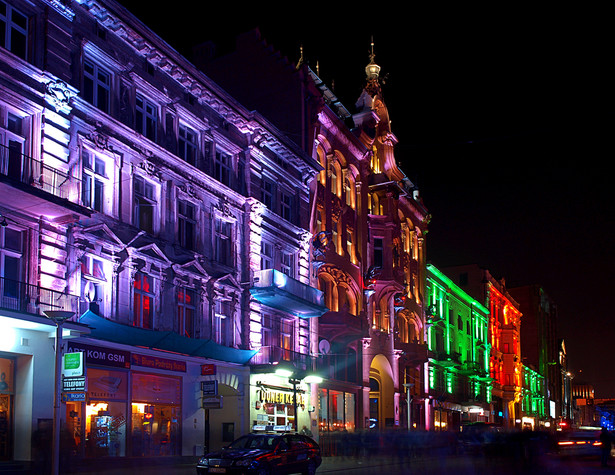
(503, 121)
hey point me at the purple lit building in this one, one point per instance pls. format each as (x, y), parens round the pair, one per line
(172, 221)
(369, 226)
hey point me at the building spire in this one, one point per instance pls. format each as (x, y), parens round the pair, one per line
(372, 70)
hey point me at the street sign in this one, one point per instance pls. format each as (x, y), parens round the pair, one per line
(212, 402)
(73, 397)
(73, 384)
(209, 388)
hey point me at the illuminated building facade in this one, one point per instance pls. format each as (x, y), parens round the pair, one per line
(533, 399)
(171, 220)
(368, 225)
(505, 364)
(458, 383)
(539, 344)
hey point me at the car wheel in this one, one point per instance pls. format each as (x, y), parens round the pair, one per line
(310, 469)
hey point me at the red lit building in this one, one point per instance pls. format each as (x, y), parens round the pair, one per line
(505, 363)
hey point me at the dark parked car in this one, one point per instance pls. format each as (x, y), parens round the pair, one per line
(264, 454)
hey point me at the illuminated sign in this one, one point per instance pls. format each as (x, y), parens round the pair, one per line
(279, 397)
(72, 364)
(158, 363)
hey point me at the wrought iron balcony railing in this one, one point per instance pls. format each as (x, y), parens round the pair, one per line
(275, 354)
(26, 298)
(24, 169)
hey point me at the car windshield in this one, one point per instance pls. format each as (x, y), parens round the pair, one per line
(254, 442)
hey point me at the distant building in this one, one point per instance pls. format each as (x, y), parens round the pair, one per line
(459, 385)
(539, 344)
(505, 366)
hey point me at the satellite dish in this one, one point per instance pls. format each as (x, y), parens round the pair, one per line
(324, 346)
(89, 291)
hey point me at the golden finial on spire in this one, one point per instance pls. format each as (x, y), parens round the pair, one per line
(372, 70)
(300, 62)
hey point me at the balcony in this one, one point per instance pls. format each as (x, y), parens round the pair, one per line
(412, 353)
(277, 290)
(269, 355)
(25, 298)
(44, 190)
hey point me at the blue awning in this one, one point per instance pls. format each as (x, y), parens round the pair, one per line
(108, 330)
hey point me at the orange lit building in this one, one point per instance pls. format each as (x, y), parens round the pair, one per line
(505, 364)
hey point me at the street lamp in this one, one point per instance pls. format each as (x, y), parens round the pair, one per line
(58, 317)
(295, 380)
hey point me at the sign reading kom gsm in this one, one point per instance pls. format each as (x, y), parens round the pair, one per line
(99, 355)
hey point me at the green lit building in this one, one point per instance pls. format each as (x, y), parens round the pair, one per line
(533, 400)
(457, 382)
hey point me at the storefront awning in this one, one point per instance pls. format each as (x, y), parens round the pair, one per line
(107, 330)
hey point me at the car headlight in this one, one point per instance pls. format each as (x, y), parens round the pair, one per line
(203, 461)
(244, 462)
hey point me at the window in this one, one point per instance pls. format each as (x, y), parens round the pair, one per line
(223, 168)
(223, 242)
(266, 255)
(222, 322)
(286, 206)
(378, 252)
(144, 204)
(93, 181)
(350, 245)
(287, 263)
(11, 252)
(12, 142)
(143, 301)
(186, 224)
(286, 339)
(96, 85)
(13, 30)
(267, 193)
(93, 282)
(188, 145)
(186, 308)
(146, 118)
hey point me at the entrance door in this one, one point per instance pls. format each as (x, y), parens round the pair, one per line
(5, 427)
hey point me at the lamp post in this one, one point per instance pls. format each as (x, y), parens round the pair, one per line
(58, 317)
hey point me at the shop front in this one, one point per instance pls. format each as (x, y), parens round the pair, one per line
(276, 405)
(127, 410)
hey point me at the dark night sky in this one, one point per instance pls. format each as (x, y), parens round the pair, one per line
(503, 123)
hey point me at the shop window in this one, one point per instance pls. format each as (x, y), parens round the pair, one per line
(13, 30)
(186, 310)
(146, 117)
(156, 415)
(145, 204)
(96, 85)
(186, 224)
(143, 301)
